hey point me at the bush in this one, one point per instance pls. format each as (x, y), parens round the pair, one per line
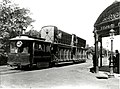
(3, 59)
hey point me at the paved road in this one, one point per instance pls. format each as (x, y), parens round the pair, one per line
(72, 76)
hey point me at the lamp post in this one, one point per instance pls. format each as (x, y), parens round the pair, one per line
(107, 47)
(111, 64)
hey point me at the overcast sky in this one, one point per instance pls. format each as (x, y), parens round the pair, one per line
(72, 16)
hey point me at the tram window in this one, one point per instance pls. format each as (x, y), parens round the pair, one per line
(39, 47)
(47, 48)
(43, 47)
(36, 46)
(25, 50)
(15, 49)
(20, 49)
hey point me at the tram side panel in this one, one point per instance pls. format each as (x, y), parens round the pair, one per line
(68, 54)
(61, 53)
(81, 43)
(79, 52)
(62, 37)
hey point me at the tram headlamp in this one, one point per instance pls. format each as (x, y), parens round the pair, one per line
(19, 43)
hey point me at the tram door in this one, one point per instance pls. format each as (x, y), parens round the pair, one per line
(41, 54)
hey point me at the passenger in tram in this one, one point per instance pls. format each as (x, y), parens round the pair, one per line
(25, 50)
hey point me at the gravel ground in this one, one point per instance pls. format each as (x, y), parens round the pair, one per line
(72, 76)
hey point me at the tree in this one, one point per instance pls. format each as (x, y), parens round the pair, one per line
(13, 20)
(33, 33)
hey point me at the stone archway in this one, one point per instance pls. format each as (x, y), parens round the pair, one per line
(108, 19)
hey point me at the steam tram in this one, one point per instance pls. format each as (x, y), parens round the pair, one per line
(54, 47)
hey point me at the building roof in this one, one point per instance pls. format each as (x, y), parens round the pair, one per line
(108, 12)
(108, 19)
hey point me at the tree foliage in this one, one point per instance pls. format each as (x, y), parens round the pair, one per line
(13, 20)
(33, 33)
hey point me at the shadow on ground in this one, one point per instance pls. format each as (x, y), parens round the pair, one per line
(104, 69)
(107, 69)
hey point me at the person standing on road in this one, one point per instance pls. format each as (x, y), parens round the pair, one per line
(112, 61)
(117, 60)
(94, 62)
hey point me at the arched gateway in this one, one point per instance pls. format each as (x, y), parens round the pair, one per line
(109, 20)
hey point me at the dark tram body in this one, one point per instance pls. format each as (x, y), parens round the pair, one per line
(54, 47)
(25, 50)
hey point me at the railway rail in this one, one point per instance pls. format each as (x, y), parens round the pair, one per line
(8, 70)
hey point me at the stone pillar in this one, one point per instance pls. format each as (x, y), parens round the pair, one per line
(119, 65)
(100, 51)
(96, 51)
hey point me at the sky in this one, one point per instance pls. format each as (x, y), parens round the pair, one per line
(72, 16)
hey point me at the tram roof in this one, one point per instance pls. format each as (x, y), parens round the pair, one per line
(25, 37)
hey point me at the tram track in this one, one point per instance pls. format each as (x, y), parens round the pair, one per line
(9, 71)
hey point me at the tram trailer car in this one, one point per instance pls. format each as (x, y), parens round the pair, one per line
(65, 47)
